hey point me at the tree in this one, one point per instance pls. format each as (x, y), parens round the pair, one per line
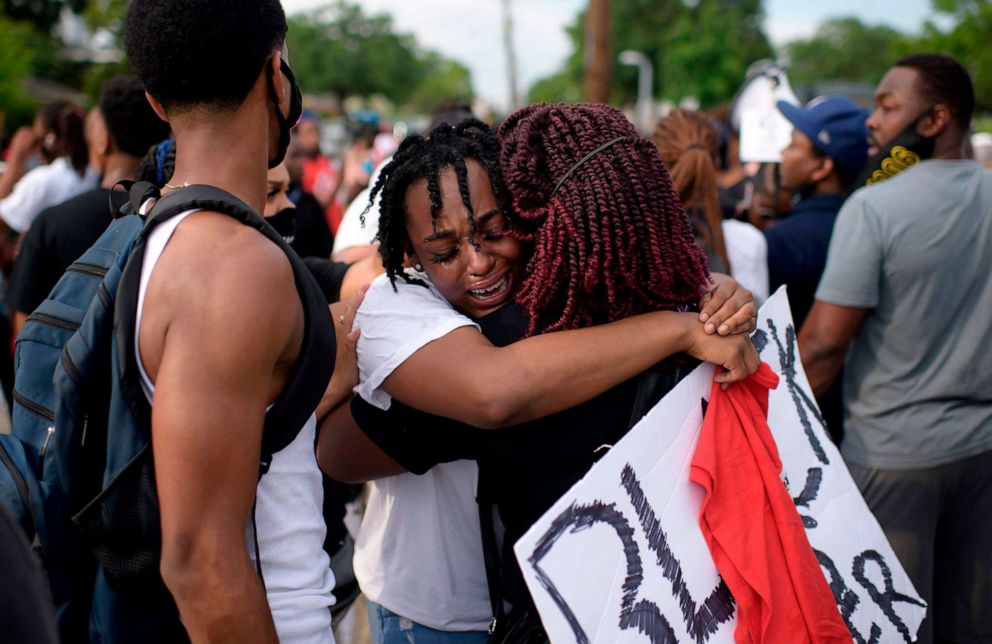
(16, 57)
(968, 41)
(444, 79)
(339, 49)
(845, 49)
(700, 48)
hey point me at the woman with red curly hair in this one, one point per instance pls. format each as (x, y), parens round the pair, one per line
(585, 235)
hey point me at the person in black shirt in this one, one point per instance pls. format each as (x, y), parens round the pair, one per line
(338, 280)
(313, 236)
(827, 152)
(119, 133)
(647, 262)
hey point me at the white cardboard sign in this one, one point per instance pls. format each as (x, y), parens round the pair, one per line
(621, 558)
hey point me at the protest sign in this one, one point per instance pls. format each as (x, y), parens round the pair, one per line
(763, 130)
(764, 133)
(621, 556)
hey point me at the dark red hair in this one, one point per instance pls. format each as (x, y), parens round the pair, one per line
(613, 241)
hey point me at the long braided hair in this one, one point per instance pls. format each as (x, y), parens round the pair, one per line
(688, 143)
(613, 240)
(421, 157)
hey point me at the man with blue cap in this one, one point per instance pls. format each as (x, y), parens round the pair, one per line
(826, 155)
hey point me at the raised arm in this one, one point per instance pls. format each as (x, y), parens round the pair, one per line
(216, 354)
(464, 377)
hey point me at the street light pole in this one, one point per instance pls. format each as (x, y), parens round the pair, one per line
(645, 81)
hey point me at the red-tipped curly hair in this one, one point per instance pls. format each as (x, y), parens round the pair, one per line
(613, 241)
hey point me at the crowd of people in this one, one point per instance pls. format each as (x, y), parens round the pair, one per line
(503, 305)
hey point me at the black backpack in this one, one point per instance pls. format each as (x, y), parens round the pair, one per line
(77, 472)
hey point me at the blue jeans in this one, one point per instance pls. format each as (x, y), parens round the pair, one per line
(389, 628)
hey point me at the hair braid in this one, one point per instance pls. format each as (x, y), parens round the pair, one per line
(613, 241)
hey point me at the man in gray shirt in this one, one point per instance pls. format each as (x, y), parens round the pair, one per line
(907, 298)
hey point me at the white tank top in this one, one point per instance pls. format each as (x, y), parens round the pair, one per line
(288, 512)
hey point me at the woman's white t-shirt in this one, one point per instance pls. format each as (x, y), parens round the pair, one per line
(419, 551)
(747, 251)
(43, 187)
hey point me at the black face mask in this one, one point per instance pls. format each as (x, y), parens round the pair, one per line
(284, 222)
(908, 148)
(286, 123)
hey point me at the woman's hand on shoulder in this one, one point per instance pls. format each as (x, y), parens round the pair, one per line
(728, 308)
(345, 375)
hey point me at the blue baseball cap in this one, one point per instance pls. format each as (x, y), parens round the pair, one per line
(835, 125)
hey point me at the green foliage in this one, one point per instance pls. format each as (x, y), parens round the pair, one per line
(444, 79)
(968, 40)
(845, 49)
(16, 58)
(709, 49)
(108, 14)
(699, 49)
(561, 87)
(339, 49)
(94, 76)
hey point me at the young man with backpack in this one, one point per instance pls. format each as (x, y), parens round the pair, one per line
(220, 330)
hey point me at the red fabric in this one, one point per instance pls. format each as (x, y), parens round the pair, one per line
(751, 524)
(320, 178)
(334, 214)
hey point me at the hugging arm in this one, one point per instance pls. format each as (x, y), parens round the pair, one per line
(464, 377)
(347, 454)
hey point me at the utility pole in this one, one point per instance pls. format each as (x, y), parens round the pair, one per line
(511, 58)
(598, 59)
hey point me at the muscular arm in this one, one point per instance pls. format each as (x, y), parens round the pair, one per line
(464, 377)
(215, 366)
(824, 339)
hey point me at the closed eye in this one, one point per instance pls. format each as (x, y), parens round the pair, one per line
(442, 257)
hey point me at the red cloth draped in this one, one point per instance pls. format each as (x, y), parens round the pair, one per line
(751, 524)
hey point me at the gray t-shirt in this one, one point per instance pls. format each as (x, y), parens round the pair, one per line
(916, 250)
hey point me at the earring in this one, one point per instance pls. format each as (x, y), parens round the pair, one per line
(418, 267)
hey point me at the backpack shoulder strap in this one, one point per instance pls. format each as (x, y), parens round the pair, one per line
(314, 366)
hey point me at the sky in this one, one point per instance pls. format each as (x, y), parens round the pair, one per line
(470, 31)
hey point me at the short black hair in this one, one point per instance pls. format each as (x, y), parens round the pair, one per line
(944, 80)
(131, 121)
(201, 52)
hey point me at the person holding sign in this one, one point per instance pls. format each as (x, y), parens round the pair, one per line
(905, 297)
